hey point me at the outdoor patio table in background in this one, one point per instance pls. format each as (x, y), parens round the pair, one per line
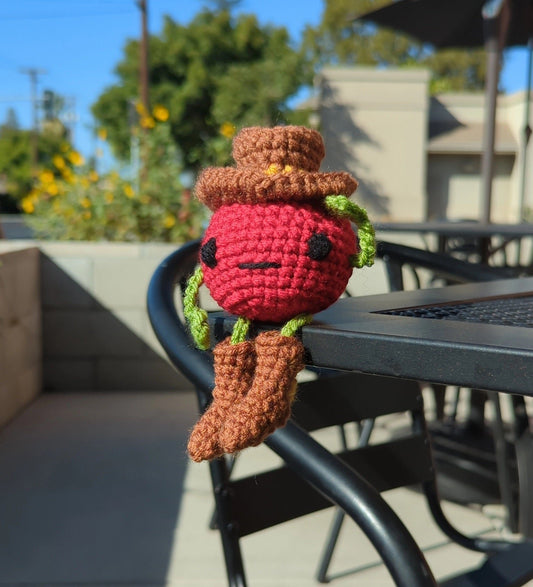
(485, 234)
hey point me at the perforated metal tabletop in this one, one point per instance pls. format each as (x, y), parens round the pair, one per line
(511, 311)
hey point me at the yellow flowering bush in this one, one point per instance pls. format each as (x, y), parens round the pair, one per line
(73, 202)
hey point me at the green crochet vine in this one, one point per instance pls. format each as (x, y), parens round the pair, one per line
(345, 208)
(196, 316)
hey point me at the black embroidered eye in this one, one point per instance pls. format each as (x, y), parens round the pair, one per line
(208, 253)
(319, 246)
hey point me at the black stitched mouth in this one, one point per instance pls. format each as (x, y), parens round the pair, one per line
(264, 265)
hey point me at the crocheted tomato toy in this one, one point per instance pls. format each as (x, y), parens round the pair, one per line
(279, 248)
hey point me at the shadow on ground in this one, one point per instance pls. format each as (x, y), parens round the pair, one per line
(91, 486)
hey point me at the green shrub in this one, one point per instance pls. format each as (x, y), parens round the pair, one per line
(71, 201)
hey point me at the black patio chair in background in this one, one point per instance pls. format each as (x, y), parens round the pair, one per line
(477, 461)
(313, 478)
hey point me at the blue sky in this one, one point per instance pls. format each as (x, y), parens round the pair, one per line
(79, 42)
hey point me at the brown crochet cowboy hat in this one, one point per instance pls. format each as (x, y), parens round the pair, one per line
(273, 164)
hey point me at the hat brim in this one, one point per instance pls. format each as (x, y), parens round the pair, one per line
(218, 186)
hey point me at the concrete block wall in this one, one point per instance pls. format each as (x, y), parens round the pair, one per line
(95, 328)
(20, 331)
(96, 332)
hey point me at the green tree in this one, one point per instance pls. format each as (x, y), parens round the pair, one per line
(15, 155)
(339, 39)
(214, 75)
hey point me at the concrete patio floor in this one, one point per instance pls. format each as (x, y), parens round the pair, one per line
(96, 490)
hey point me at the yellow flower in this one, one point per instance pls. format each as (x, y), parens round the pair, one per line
(59, 162)
(102, 134)
(84, 182)
(147, 122)
(86, 215)
(68, 176)
(75, 158)
(227, 130)
(169, 221)
(139, 106)
(52, 189)
(46, 177)
(27, 206)
(109, 197)
(85, 203)
(160, 113)
(93, 176)
(128, 191)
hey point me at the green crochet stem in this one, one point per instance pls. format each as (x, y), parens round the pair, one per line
(345, 208)
(294, 324)
(196, 316)
(240, 330)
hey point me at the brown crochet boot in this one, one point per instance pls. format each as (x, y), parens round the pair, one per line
(234, 371)
(267, 405)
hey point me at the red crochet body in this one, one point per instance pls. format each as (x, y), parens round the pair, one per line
(257, 262)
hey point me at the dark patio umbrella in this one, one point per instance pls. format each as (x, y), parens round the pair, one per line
(494, 24)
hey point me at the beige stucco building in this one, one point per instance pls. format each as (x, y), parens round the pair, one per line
(419, 157)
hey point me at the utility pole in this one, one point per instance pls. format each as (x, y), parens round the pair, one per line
(142, 172)
(143, 57)
(34, 73)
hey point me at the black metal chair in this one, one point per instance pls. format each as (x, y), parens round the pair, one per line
(313, 478)
(477, 461)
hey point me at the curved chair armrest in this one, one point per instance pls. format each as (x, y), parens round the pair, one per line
(343, 486)
(196, 365)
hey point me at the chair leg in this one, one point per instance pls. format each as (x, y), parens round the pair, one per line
(524, 458)
(502, 464)
(228, 531)
(230, 463)
(322, 573)
(325, 561)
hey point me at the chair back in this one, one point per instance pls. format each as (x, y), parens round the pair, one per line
(313, 478)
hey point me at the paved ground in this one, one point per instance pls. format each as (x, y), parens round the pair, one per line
(96, 490)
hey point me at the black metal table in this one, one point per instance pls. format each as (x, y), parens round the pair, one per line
(481, 234)
(476, 335)
(459, 228)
